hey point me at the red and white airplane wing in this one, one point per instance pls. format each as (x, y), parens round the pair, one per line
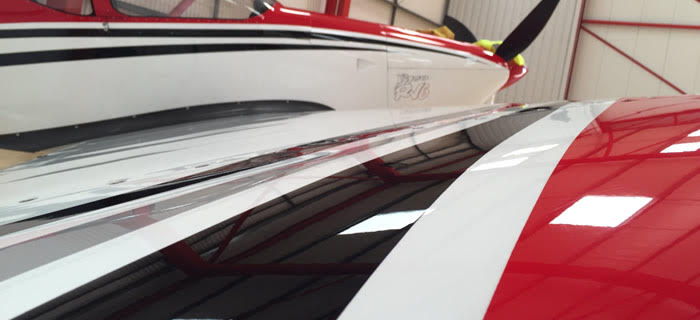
(291, 165)
(591, 205)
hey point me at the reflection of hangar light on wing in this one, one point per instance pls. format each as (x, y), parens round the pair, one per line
(601, 211)
(530, 150)
(499, 164)
(682, 147)
(384, 222)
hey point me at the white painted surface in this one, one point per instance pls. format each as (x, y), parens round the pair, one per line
(600, 72)
(93, 167)
(438, 79)
(351, 79)
(97, 90)
(64, 274)
(547, 57)
(448, 265)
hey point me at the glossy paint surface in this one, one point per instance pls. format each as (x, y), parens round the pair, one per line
(448, 265)
(70, 250)
(283, 54)
(615, 233)
(27, 11)
(111, 166)
(302, 255)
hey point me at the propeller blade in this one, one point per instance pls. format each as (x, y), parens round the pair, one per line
(461, 31)
(527, 31)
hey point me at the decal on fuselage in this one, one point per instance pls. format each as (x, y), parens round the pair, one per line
(411, 87)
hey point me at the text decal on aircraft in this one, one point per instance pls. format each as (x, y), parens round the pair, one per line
(412, 87)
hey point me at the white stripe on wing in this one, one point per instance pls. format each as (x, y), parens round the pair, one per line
(448, 265)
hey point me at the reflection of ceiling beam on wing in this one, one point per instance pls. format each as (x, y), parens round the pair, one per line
(580, 253)
(421, 176)
(159, 283)
(652, 121)
(628, 157)
(377, 167)
(663, 286)
(229, 236)
(637, 160)
(567, 163)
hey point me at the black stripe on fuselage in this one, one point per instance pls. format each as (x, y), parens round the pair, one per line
(325, 36)
(207, 33)
(13, 59)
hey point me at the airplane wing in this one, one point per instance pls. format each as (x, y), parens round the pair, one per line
(449, 213)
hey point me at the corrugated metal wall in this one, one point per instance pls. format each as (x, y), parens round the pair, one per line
(548, 57)
(312, 5)
(673, 54)
(379, 11)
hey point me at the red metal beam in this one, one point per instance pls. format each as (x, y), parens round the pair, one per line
(180, 8)
(340, 8)
(344, 8)
(380, 169)
(185, 258)
(229, 236)
(573, 54)
(331, 7)
(616, 49)
(643, 24)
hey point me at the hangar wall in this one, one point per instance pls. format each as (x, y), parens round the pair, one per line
(380, 11)
(660, 37)
(311, 5)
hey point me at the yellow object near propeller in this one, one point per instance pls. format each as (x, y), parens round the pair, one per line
(493, 45)
(445, 32)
